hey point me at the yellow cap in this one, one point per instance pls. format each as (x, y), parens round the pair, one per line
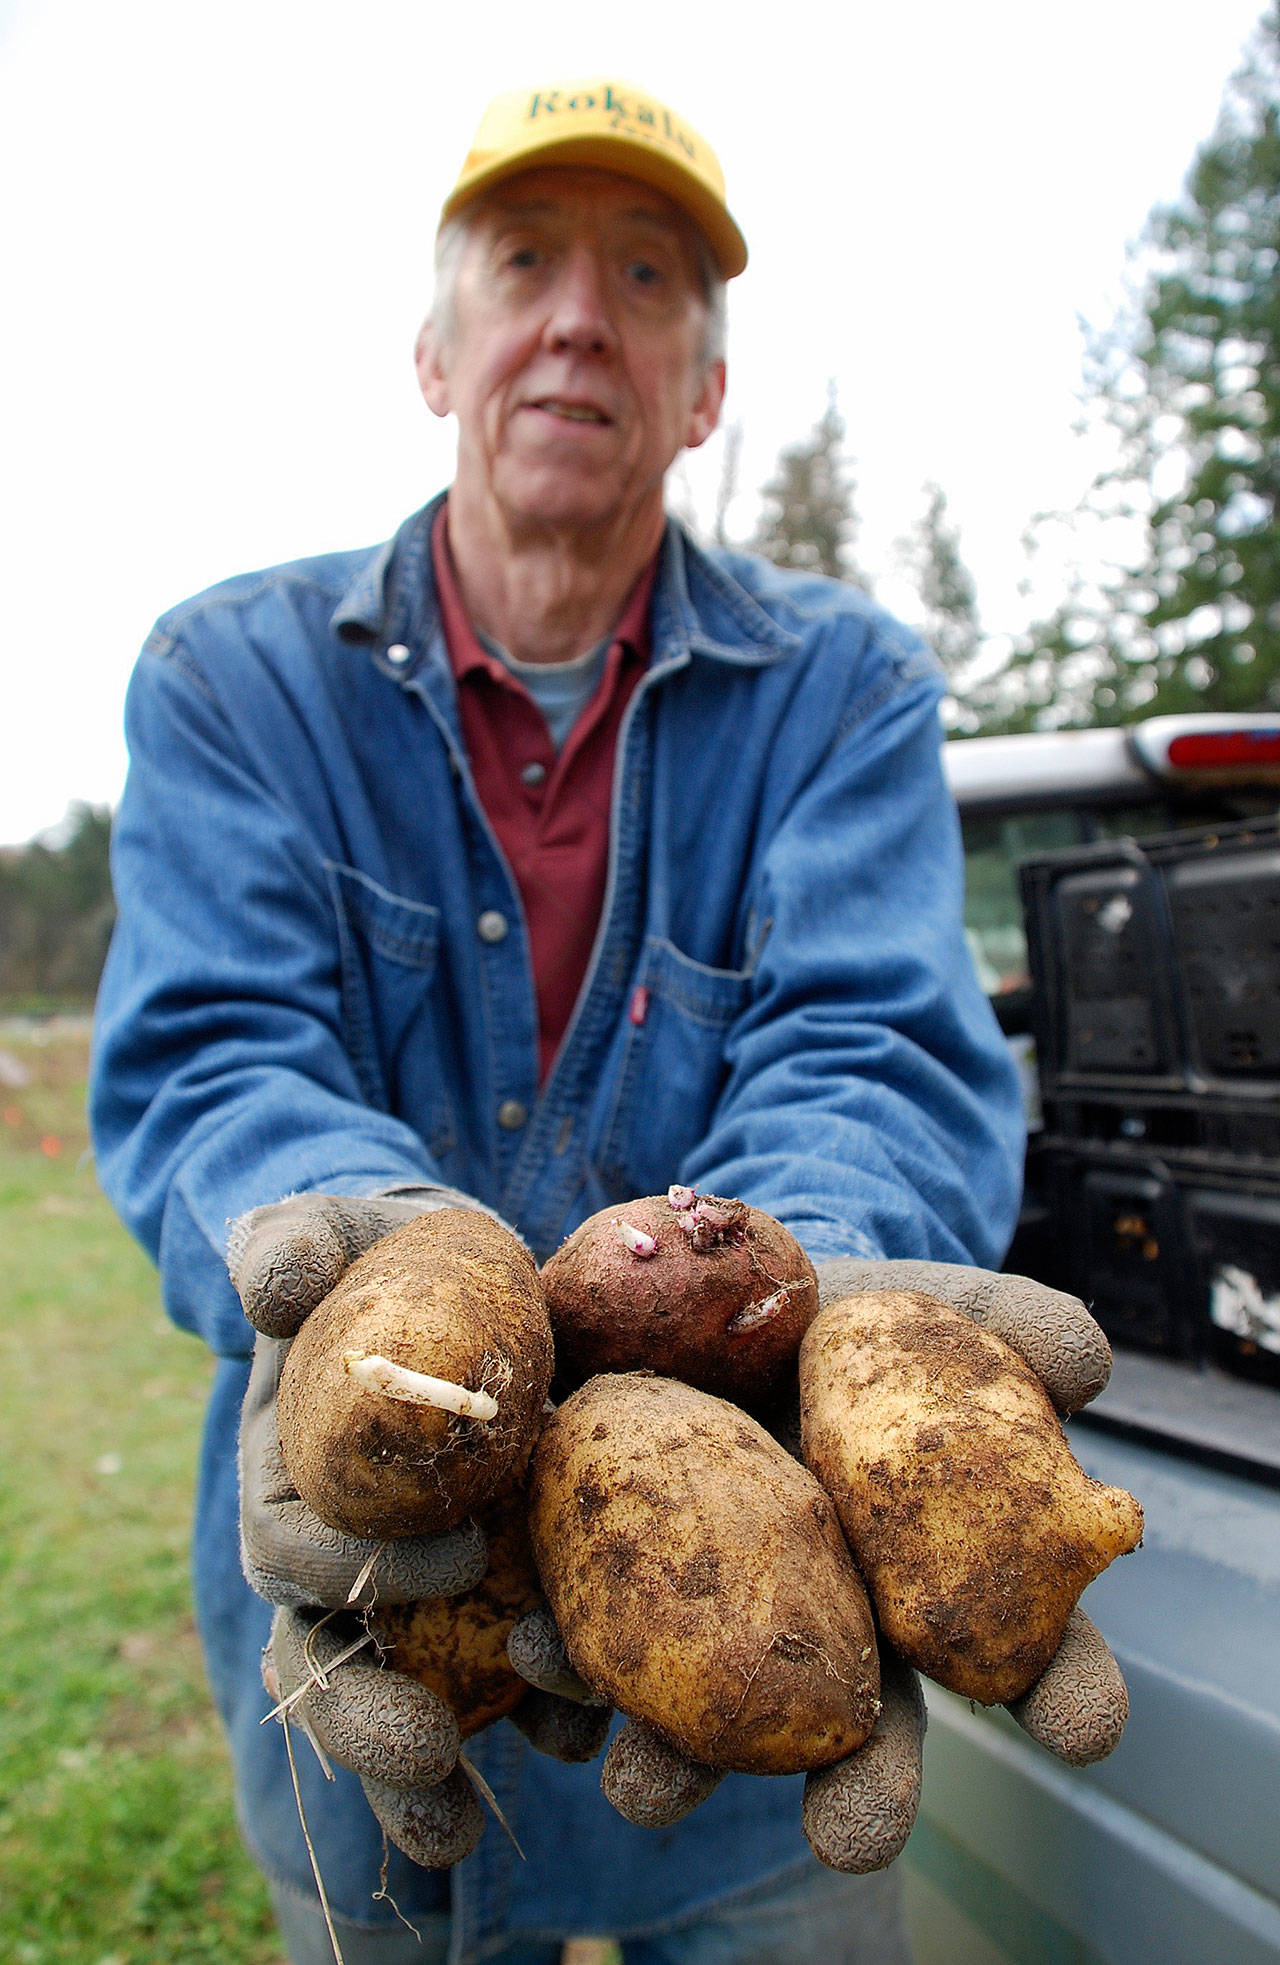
(616, 128)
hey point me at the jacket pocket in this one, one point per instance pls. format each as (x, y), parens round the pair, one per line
(388, 950)
(672, 1066)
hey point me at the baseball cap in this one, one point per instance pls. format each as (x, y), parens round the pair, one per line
(615, 127)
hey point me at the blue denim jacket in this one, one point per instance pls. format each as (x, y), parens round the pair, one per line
(780, 1005)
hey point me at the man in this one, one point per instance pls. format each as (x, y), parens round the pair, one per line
(537, 860)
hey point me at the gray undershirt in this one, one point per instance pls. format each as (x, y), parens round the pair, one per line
(561, 690)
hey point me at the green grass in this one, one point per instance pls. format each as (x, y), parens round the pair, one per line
(117, 1843)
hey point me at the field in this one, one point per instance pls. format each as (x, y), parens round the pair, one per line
(117, 1845)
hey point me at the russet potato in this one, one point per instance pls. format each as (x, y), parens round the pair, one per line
(452, 1295)
(973, 1523)
(699, 1577)
(692, 1286)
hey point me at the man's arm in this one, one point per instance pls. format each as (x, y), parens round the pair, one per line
(871, 1103)
(221, 1080)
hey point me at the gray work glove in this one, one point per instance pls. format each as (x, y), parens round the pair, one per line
(392, 1731)
(858, 1814)
(284, 1259)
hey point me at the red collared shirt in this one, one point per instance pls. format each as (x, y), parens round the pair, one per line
(550, 813)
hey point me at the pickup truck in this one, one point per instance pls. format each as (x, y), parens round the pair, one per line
(1167, 1852)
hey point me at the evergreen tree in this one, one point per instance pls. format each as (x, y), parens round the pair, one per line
(932, 561)
(1189, 616)
(946, 588)
(56, 911)
(808, 519)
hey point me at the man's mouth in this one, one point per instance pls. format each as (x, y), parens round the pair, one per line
(572, 412)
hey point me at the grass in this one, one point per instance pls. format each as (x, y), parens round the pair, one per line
(117, 1842)
(117, 1838)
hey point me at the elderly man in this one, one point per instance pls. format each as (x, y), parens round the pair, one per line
(537, 860)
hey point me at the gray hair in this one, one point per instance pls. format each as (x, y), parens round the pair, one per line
(451, 241)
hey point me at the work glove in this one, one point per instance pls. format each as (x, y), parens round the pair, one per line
(322, 1663)
(1078, 1707)
(284, 1259)
(858, 1814)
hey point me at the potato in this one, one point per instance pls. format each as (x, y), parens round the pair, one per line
(452, 1295)
(700, 1579)
(974, 1525)
(458, 1645)
(694, 1287)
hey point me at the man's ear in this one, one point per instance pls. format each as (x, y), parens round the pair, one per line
(705, 413)
(428, 358)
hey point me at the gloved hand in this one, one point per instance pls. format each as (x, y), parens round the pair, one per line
(1078, 1706)
(858, 1813)
(395, 1733)
(284, 1259)
(388, 1728)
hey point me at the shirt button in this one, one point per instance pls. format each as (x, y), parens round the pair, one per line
(398, 653)
(534, 773)
(492, 926)
(512, 1115)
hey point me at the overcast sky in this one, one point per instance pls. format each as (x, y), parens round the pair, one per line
(217, 234)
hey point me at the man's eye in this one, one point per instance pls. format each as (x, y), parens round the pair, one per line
(644, 273)
(522, 258)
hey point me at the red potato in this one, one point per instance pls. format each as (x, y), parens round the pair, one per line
(710, 1291)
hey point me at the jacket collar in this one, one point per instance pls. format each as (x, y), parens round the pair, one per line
(698, 608)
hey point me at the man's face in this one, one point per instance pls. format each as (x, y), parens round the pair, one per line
(573, 361)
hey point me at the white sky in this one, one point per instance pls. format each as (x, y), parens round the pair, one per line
(217, 230)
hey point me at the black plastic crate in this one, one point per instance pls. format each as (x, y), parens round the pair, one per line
(1123, 1248)
(1244, 1128)
(1156, 963)
(1171, 1257)
(1235, 1243)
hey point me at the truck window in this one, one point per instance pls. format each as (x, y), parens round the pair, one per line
(1157, 815)
(994, 846)
(996, 843)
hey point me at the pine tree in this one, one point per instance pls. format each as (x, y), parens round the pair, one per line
(946, 588)
(1189, 616)
(808, 518)
(947, 599)
(56, 911)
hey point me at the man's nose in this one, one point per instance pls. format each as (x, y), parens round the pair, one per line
(580, 316)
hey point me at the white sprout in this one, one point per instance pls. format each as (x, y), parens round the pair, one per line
(416, 1388)
(636, 1240)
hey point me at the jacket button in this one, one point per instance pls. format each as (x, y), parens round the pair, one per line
(492, 926)
(397, 653)
(534, 773)
(512, 1115)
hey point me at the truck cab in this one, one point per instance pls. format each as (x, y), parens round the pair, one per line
(1123, 909)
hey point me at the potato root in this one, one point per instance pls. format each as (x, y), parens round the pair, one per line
(454, 1297)
(700, 1579)
(974, 1525)
(694, 1287)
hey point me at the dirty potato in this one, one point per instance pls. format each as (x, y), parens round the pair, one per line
(414, 1391)
(700, 1578)
(696, 1287)
(458, 1645)
(972, 1522)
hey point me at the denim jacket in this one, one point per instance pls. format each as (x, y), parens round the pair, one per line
(299, 995)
